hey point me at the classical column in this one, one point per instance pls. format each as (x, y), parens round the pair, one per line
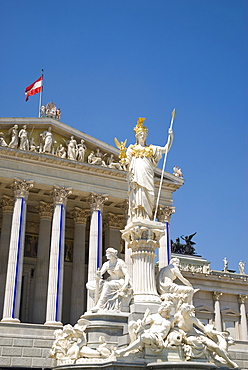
(143, 238)
(128, 251)
(113, 224)
(164, 214)
(56, 266)
(42, 264)
(95, 243)
(243, 319)
(7, 207)
(217, 314)
(16, 250)
(78, 271)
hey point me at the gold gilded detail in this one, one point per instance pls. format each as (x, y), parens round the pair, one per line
(140, 152)
(122, 146)
(139, 127)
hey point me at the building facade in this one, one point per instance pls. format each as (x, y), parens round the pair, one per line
(63, 201)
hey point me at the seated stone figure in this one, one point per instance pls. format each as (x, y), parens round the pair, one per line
(110, 293)
(166, 284)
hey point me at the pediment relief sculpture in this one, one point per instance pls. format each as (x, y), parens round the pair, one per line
(47, 141)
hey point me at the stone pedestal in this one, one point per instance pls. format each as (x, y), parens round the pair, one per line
(143, 238)
(113, 326)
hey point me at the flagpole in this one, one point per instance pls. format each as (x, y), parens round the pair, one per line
(165, 158)
(40, 101)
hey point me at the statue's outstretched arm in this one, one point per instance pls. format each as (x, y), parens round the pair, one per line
(168, 145)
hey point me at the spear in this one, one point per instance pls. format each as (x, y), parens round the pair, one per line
(173, 113)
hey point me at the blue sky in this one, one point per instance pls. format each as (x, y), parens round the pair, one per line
(109, 62)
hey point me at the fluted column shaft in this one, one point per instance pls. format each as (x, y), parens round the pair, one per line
(128, 251)
(42, 264)
(217, 314)
(95, 243)
(7, 207)
(56, 266)
(164, 214)
(78, 271)
(243, 319)
(12, 297)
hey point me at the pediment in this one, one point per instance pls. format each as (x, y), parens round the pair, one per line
(61, 131)
(204, 309)
(61, 135)
(229, 312)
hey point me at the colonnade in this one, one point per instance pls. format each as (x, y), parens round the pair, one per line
(48, 290)
(49, 269)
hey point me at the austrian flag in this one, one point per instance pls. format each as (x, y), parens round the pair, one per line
(35, 88)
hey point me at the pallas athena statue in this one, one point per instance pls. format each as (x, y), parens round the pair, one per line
(141, 160)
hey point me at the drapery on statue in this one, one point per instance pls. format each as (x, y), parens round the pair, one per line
(140, 161)
(109, 294)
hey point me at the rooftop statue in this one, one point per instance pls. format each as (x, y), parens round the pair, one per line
(14, 137)
(225, 269)
(242, 267)
(141, 159)
(109, 294)
(81, 148)
(23, 135)
(177, 247)
(177, 172)
(72, 149)
(47, 141)
(96, 158)
(2, 140)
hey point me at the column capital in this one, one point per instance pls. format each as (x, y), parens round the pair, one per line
(96, 201)
(114, 221)
(21, 188)
(164, 213)
(7, 204)
(124, 206)
(80, 215)
(242, 298)
(45, 210)
(216, 295)
(60, 194)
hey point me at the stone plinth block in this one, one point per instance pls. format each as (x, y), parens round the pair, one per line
(110, 325)
(143, 238)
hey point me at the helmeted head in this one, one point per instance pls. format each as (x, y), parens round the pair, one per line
(141, 131)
